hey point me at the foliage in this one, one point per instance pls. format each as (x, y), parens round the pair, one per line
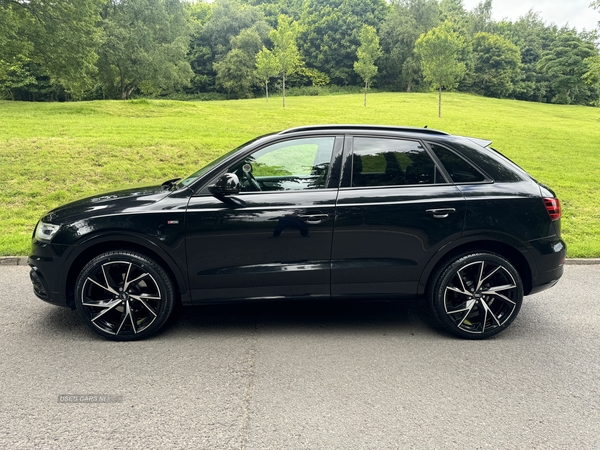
(592, 76)
(496, 66)
(285, 49)
(531, 35)
(481, 18)
(59, 38)
(272, 8)
(454, 11)
(266, 67)
(305, 76)
(49, 49)
(330, 34)
(216, 24)
(564, 64)
(406, 21)
(16, 75)
(367, 54)
(144, 47)
(236, 72)
(438, 50)
(52, 153)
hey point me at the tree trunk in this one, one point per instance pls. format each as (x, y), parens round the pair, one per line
(123, 91)
(129, 91)
(366, 87)
(283, 90)
(267, 89)
(440, 103)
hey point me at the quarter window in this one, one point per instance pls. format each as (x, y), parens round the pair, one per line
(460, 170)
(292, 165)
(392, 162)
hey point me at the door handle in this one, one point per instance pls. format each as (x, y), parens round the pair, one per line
(314, 219)
(441, 213)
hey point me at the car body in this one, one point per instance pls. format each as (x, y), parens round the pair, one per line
(316, 212)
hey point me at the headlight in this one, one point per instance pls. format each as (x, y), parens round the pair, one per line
(44, 232)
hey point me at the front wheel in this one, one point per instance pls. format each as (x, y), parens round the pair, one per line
(124, 295)
(476, 295)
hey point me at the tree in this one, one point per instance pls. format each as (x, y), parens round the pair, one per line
(58, 38)
(367, 54)
(481, 18)
(272, 8)
(592, 76)
(330, 32)
(565, 65)
(266, 67)
(496, 66)
(406, 21)
(144, 46)
(438, 50)
(285, 50)
(531, 35)
(216, 24)
(16, 76)
(236, 72)
(454, 11)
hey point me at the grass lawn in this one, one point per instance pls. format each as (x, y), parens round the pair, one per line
(51, 153)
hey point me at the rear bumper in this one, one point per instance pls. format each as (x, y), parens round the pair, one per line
(546, 280)
(550, 258)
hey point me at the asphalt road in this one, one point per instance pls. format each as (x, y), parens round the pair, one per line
(297, 376)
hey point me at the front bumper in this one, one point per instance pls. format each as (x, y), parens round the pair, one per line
(46, 262)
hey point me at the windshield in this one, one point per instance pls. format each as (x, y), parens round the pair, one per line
(193, 177)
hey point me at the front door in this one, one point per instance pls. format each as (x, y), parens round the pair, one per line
(273, 240)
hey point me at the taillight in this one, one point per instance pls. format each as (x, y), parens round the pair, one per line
(553, 208)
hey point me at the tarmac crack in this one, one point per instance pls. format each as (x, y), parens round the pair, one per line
(249, 389)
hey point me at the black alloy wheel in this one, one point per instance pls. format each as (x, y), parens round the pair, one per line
(124, 296)
(476, 295)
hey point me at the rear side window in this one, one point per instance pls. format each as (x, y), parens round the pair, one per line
(460, 170)
(392, 162)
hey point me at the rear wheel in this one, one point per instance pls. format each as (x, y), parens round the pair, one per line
(124, 296)
(476, 295)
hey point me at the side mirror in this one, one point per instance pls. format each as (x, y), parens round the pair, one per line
(226, 184)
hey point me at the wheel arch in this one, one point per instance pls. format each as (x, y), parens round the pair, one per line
(510, 252)
(101, 244)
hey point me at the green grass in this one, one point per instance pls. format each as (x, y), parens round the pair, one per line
(51, 153)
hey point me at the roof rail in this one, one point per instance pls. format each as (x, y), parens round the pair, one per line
(364, 127)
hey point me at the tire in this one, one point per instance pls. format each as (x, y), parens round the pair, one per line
(476, 295)
(124, 295)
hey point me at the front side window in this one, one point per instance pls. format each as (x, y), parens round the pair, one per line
(292, 165)
(392, 162)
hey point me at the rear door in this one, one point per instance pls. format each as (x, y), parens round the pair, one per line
(395, 210)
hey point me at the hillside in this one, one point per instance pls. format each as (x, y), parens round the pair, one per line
(51, 153)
